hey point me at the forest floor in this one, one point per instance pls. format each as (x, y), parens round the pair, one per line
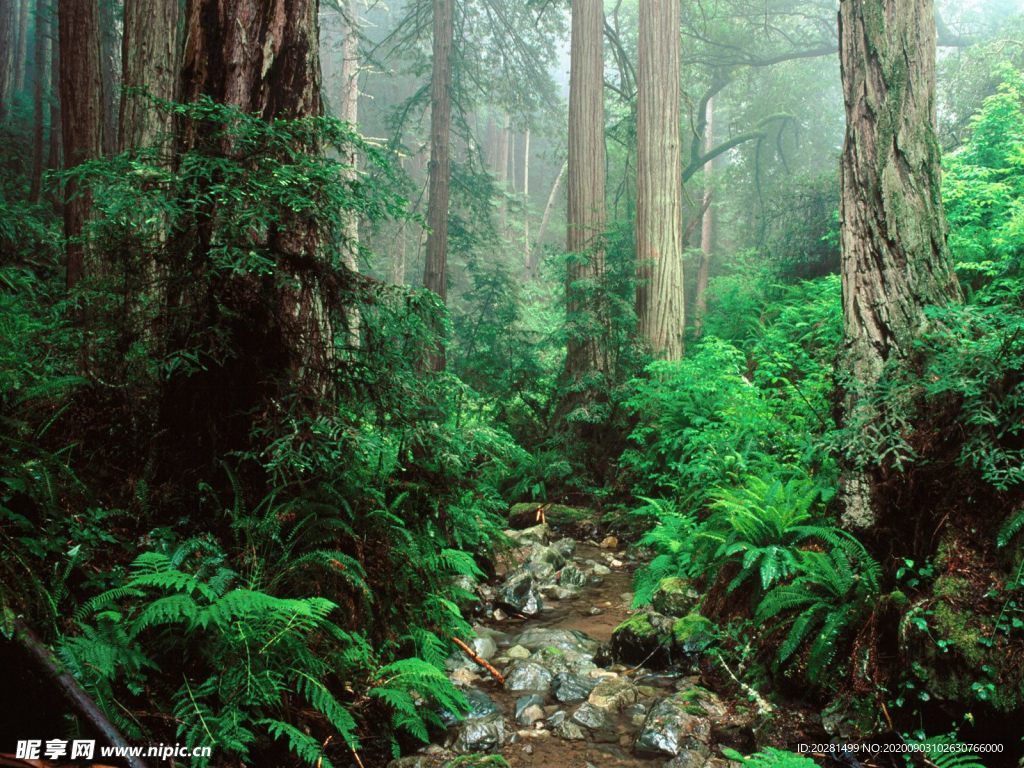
(547, 623)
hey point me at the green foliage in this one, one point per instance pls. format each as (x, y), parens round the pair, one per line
(831, 598)
(770, 757)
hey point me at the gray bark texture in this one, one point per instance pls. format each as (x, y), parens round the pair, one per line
(893, 232)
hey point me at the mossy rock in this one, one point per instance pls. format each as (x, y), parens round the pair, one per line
(659, 642)
(674, 596)
(557, 515)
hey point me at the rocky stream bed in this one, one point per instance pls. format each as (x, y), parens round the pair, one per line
(574, 695)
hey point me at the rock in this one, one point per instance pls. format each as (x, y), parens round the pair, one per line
(413, 761)
(542, 572)
(565, 546)
(571, 576)
(591, 717)
(609, 542)
(518, 652)
(671, 729)
(480, 705)
(613, 694)
(600, 570)
(638, 641)
(593, 611)
(549, 555)
(690, 758)
(464, 677)
(564, 639)
(528, 676)
(570, 688)
(557, 718)
(485, 647)
(674, 596)
(560, 593)
(525, 702)
(530, 715)
(538, 534)
(616, 563)
(570, 731)
(499, 615)
(692, 634)
(485, 734)
(519, 593)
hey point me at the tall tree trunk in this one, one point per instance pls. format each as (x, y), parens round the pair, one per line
(534, 265)
(585, 353)
(54, 160)
(110, 66)
(8, 45)
(504, 135)
(526, 199)
(263, 57)
(435, 272)
(893, 233)
(348, 110)
(707, 227)
(41, 57)
(151, 59)
(81, 97)
(660, 297)
(21, 63)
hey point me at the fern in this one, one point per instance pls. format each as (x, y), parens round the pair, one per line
(1013, 525)
(770, 757)
(304, 746)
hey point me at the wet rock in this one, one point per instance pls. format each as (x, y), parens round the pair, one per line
(565, 639)
(613, 694)
(565, 546)
(591, 717)
(518, 652)
(671, 728)
(593, 611)
(499, 615)
(556, 592)
(570, 731)
(520, 594)
(570, 688)
(542, 572)
(528, 676)
(530, 715)
(609, 542)
(638, 640)
(674, 597)
(690, 758)
(599, 570)
(571, 576)
(485, 734)
(549, 555)
(557, 718)
(524, 702)
(537, 534)
(464, 677)
(413, 761)
(480, 706)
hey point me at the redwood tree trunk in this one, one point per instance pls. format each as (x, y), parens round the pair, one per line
(81, 97)
(659, 207)
(435, 273)
(151, 59)
(21, 62)
(110, 67)
(41, 62)
(586, 168)
(263, 57)
(893, 233)
(8, 40)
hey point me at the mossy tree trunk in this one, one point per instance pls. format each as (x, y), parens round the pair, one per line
(894, 256)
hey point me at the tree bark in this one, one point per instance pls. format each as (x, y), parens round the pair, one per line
(707, 227)
(21, 62)
(263, 57)
(435, 272)
(41, 60)
(8, 43)
(526, 199)
(585, 352)
(54, 160)
(504, 140)
(110, 67)
(81, 97)
(151, 60)
(659, 211)
(893, 232)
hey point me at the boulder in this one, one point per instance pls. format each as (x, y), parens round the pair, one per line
(520, 593)
(674, 597)
(570, 688)
(571, 576)
(485, 734)
(672, 728)
(613, 694)
(528, 676)
(564, 639)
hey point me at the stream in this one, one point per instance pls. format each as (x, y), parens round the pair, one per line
(546, 626)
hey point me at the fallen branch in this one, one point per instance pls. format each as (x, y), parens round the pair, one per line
(476, 659)
(763, 707)
(80, 701)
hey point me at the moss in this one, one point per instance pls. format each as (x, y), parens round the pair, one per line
(691, 627)
(639, 625)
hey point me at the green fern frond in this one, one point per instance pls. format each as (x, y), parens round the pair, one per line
(302, 745)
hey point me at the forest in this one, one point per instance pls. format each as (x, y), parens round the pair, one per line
(476, 383)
